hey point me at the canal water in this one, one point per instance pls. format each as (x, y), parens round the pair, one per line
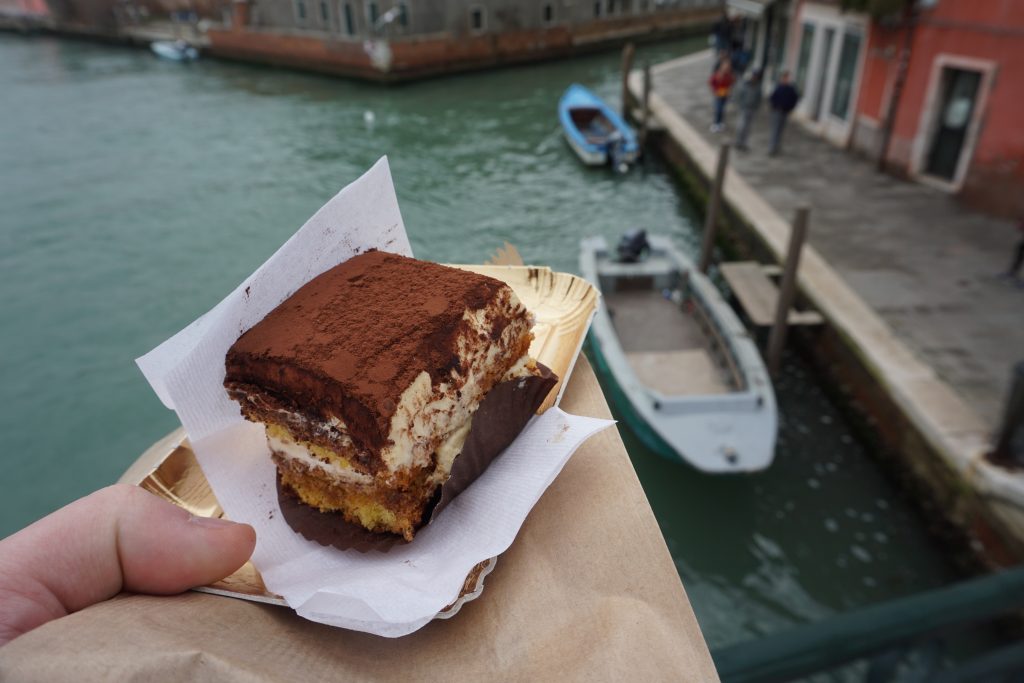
(135, 193)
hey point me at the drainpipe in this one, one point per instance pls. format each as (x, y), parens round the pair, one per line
(769, 20)
(909, 24)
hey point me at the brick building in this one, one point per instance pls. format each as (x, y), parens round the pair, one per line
(397, 39)
(951, 120)
(24, 8)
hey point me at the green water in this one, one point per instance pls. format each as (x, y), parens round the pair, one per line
(135, 193)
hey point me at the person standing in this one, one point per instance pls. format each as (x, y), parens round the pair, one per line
(721, 33)
(721, 83)
(1013, 271)
(783, 101)
(739, 55)
(748, 99)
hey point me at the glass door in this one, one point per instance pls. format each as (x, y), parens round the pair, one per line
(959, 88)
(822, 74)
(804, 60)
(843, 90)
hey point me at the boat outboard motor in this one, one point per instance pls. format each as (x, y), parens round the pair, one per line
(617, 152)
(633, 245)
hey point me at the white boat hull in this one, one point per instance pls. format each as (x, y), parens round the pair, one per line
(587, 157)
(724, 432)
(174, 52)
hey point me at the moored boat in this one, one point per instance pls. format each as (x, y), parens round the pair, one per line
(174, 50)
(687, 377)
(595, 131)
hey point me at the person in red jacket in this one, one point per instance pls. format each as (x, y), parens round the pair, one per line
(721, 84)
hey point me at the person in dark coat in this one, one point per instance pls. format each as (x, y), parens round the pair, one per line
(748, 101)
(1012, 273)
(783, 101)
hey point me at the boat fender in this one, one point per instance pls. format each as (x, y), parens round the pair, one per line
(616, 151)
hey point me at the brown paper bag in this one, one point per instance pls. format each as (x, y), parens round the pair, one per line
(587, 592)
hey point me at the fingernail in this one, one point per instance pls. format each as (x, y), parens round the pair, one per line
(210, 522)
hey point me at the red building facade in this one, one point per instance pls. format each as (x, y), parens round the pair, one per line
(24, 8)
(955, 120)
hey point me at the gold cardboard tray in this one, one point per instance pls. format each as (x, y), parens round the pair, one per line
(563, 305)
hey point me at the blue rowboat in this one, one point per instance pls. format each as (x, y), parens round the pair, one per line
(595, 131)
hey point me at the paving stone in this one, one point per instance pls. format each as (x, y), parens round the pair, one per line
(926, 262)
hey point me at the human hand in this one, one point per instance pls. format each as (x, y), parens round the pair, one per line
(118, 538)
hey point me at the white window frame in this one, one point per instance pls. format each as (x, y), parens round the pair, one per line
(554, 16)
(928, 120)
(851, 106)
(408, 16)
(483, 18)
(301, 20)
(822, 17)
(346, 11)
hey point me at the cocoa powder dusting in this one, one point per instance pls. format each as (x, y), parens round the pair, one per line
(350, 341)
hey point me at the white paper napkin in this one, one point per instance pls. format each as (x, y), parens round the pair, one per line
(389, 594)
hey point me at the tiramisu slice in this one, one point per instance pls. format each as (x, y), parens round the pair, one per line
(367, 379)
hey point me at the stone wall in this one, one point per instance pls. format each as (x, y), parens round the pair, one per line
(425, 17)
(983, 37)
(457, 50)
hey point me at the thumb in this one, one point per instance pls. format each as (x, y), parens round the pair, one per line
(119, 538)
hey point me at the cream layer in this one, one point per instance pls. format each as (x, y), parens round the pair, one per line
(292, 449)
(425, 410)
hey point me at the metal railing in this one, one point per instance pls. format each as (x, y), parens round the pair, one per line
(885, 634)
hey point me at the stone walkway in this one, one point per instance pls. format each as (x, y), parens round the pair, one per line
(923, 262)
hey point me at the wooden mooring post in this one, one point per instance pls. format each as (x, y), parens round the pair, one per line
(628, 54)
(645, 111)
(787, 290)
(713, 209)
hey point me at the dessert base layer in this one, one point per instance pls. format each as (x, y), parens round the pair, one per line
(331, 479)
(324, 504)
(376, 508)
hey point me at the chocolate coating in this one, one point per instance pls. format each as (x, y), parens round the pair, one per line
(502, 415)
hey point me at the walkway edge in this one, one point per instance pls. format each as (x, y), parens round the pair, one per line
(948, 424)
